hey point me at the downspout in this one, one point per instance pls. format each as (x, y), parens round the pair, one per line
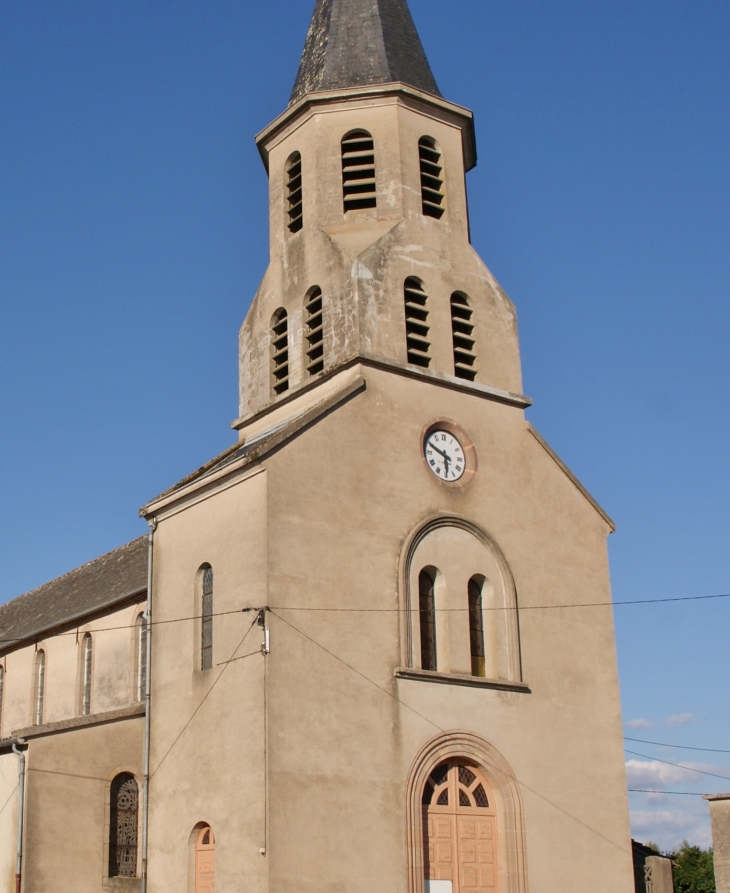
(148, 670)
(21, 808)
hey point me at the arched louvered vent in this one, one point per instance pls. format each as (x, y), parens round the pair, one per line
(416, 301)
(280, 352)
(294, 192)
(358, 170)
(432, 181)
(462, 332)
(314, 331)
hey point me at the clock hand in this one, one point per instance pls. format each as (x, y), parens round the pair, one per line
(440, 452)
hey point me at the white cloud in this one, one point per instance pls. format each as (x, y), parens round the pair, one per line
(679, 719)
(669, 827)
(639, 724)
(652, 774)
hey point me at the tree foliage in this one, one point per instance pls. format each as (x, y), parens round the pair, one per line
(693, 870)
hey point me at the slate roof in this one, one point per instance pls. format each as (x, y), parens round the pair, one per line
(356, 43)
(88, 589)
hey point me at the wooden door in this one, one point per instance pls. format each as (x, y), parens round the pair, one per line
(205, 861)
(460, 829)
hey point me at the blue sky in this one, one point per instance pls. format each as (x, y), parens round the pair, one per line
(133, 236)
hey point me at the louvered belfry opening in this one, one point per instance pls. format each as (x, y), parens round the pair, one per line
(358, 171)
(295, 205)
(416, 301)
(462, 331)
(432, 180)
(314, 331)
(280, 351)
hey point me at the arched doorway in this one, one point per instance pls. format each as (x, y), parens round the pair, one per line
(459, 830)
(205, 861)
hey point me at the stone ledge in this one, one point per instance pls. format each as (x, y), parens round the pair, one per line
(459, 679)
(80, 722)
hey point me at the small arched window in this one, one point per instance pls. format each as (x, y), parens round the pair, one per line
(432, 180)
(280, 351)
(86, 654)
(123, 821)
(417, 329)
(314, 331)
(205, 861)
(206, 625)
(141, 657)
(476, 627)
(462, 333)
(358, 171)
(40, 686)
(294, 202)
(427, 618)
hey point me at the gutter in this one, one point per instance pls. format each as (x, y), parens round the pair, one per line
(148, 668)
(14, 743)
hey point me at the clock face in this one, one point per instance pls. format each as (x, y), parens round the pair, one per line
(444, 455)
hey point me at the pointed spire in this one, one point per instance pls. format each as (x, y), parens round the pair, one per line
(356, 43)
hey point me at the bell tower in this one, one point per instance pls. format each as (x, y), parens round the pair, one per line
(370, 256)
(397, 670)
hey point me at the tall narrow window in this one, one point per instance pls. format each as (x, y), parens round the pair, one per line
(427, 615)
(280, 351)
(294, 202)
(462, 333)
(86, 675)
(476, 627)
(432, 181)
(314, 331)
(416, 303)
(141, 657)
(40, 685)
(206, 626)
(358, 171)
(123, 819)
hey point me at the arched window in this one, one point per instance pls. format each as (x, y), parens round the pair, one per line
(358, 171)
(206, 625)
(314, 331)
(462, 333)
(416, 305)
(205, 861)
(141, 657)
(432, 180)
(86, 655)
(427, 618)
(123, 821)
(460, 824)
(40, 686)
(280, 351)
(476, 627)
(294, 201)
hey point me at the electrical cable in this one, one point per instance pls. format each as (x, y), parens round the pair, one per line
(678, 765)
(673, 793)
(678, 746)
(205, 697)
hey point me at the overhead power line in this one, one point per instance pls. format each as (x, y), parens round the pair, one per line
(677, 746)
(672, 793)
(678, 765)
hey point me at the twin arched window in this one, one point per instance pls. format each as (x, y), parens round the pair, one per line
(123, 824)
(418, 343)
(428, 623)
(313, 328)
(206, 620)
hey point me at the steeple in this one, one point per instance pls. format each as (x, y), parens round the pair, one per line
(360, 43)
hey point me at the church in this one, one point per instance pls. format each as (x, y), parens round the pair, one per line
(370, 647)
